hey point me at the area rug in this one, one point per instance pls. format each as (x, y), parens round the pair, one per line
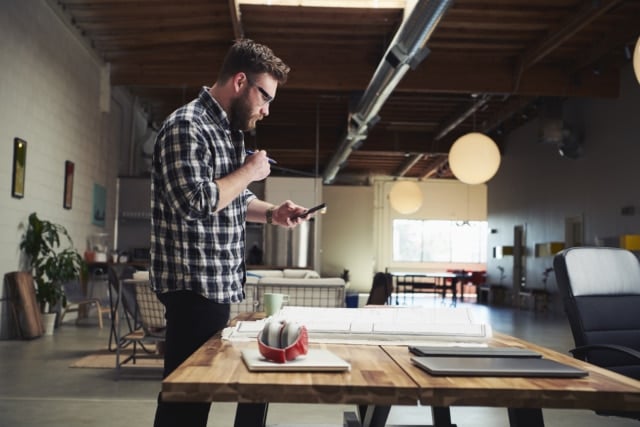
(107, 359)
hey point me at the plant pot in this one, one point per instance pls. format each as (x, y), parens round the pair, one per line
(49, 322)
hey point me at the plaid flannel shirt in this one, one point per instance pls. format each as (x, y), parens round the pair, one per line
(192, 246)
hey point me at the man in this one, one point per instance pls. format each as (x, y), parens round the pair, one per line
(200, 203)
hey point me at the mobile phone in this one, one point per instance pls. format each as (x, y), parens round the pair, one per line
(310, 211)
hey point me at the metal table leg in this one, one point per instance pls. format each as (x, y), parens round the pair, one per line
(251, 415)
(525, 417)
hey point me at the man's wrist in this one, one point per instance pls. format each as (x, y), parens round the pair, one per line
(269, 214)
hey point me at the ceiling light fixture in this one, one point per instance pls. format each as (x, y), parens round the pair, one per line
(474, 158)
(405, 197)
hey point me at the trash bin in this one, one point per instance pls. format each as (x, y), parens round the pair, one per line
(351, 300)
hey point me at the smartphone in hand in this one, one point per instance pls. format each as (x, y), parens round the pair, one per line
(310, 211)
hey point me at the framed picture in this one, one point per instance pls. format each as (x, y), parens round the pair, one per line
(19, 167)
(68, 184)
(99, 205)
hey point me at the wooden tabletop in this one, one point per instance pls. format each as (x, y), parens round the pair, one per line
(217, 373)
(384, 375)
(601, 389)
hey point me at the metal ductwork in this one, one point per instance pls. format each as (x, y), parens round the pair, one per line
(407, 50)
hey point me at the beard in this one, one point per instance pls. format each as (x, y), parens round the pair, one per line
(241, 117)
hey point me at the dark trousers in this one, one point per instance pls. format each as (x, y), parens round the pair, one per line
(191, 321)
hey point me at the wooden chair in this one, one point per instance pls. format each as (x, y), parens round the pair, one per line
(76, 300)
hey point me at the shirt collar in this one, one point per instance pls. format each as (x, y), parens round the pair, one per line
(213, 108)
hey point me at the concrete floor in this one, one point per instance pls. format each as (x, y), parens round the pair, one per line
(38, 388)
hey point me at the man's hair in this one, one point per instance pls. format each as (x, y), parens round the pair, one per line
(247, 56)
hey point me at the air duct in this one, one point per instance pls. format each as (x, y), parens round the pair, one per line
(407, 50)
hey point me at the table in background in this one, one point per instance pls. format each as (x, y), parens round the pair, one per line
(436, 282)
(382, 376)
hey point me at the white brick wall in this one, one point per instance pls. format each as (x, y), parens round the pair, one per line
(49, 96)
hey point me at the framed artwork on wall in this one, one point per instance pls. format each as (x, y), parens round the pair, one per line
(68, 184)
(99, 205)
(19, 168)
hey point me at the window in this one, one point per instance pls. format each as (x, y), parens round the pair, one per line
(439, 241)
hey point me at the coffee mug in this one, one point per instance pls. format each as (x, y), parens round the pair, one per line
(273, 303)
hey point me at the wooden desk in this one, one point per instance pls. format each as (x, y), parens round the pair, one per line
(382, 376)
(601, 389)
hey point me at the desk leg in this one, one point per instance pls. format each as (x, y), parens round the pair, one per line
(441, 416)
(251, 415)
(113, 333)
(454, 291)
(373, 415)
(525, 417)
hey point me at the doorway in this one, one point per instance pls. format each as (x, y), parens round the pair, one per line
(573, 231)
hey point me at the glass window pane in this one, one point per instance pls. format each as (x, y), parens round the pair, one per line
(439, 241)
(407, 240)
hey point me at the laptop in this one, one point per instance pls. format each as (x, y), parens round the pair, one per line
(444, 351)
(316, 360)
(497, 367)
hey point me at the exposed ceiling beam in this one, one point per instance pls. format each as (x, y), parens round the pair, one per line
(511, 106)
(408, 164)
(455, 122)
(591, 10)
(433, 77)
(236, 19)
(435, 167)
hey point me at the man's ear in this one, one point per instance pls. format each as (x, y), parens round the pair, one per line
(239, 80)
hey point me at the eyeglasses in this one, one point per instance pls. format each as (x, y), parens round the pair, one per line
(265, 95)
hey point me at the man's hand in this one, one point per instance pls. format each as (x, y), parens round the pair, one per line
(282, 215)
(258, 165)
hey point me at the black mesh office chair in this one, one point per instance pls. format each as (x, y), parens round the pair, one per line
(600, 288)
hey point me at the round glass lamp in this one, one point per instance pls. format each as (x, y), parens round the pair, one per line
(636, 60)
(474, 158)
(405, 197)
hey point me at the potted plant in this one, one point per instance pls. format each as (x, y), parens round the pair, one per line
(51, 266)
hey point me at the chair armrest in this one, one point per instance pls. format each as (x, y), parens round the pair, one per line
(580, 352)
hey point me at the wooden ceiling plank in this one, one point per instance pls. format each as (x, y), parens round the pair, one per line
(589, 12)
(163, 24)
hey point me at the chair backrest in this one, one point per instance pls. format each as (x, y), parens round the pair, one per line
(151, 309)
(381, 289)
(73, 291)
(600, 288)
(116, 274)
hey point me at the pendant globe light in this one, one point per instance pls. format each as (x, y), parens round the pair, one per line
(474, 158)
(405, 197)
(636, 60)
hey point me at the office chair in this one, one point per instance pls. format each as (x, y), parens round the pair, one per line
(600, 288)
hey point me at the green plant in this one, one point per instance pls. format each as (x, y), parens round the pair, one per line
(51, 266)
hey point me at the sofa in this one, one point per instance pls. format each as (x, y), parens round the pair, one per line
(304, 287)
